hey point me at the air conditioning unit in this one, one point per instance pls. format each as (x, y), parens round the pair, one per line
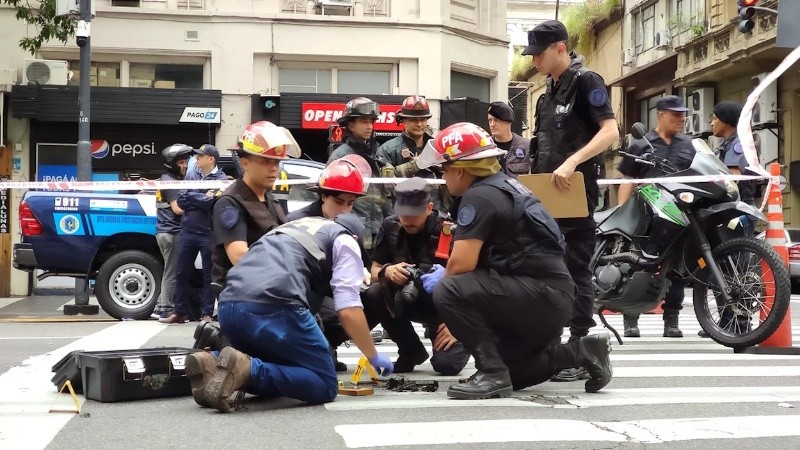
(688, 127)
(334, 7)
(43, 71)
(767, 103)
(766, 146)
(701, 103)
(714, 142)
(663, 40)
(627, 57)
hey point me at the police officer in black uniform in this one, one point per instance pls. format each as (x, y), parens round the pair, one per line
(506, 292)
(574, 126)
(409, 241)
(670, 143)
(518, 159)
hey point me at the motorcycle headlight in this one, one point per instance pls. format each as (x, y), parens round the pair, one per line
(686, 197)
(733, 189)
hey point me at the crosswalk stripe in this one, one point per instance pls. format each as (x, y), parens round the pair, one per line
(549, 430)
(576, 398)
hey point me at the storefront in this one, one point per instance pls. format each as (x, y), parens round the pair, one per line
(129, 128)
(308, 117)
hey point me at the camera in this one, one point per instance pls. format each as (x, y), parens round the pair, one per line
(408, 294)
(82, 33)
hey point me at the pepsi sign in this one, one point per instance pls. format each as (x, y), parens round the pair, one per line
(100, 149)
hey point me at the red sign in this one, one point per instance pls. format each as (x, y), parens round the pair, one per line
(319, 115)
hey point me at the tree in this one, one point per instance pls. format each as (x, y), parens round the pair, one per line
(42, 16)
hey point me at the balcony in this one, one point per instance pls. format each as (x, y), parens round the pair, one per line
(369, 8)
(726, 50)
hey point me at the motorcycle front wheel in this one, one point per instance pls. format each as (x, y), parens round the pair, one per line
(760, 294)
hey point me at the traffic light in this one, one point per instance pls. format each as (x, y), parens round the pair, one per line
(746, 14)
(335, 133)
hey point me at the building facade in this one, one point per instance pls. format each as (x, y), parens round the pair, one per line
(197, 71)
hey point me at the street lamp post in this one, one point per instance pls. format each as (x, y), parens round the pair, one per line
(83, 39)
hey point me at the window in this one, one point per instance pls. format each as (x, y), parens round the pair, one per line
(129, 3)
(363, 79)
(466, 85)
(167, 76)
(645, 29)
(314, 81)
(685, 14)
(363, 82)
(649, 113)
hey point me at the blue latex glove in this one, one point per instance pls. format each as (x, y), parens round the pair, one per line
(432, 278)
(382, 364)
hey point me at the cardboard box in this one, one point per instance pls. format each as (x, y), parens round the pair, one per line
(164, 84)
(139, 83)
(107, 81)
(142, 72)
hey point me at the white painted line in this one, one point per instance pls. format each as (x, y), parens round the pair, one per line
(26, 392)
(707, 371)
(28, 338)
(574, 399)
(8, 301)
(545, 430)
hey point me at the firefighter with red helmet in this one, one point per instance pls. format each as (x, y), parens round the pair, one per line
(402, 151)
(506, 292)
(358, 120)
(338, 187)
(247, 208)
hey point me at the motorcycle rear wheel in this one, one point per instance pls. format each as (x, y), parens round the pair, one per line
(760, 294)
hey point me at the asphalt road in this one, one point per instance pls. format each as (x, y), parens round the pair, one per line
(667, 393)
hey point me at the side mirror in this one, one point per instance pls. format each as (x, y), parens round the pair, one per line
(638, 131)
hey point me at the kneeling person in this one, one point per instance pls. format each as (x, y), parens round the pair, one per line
(407, 241)
(506, 292)
(267, 311)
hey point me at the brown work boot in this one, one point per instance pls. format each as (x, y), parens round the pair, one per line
(200, 368)
(233, 374)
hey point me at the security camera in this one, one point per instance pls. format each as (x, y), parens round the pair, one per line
(82, 33)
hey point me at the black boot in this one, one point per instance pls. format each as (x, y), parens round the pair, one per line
(591, 352)
(208, 335)
(491, 380)
(671, 325)
(406, 361)
(631, 325)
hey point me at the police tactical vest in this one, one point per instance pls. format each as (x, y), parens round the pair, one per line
(536, 248)
(399, 245)
(258, 219)
(291, 265)
(560, 132)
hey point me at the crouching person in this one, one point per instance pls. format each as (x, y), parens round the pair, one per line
(267, 311)
(506, 291)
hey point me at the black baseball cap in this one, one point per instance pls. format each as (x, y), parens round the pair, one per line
(544, 34)
(672, 103)
(501, 110)
(412, 197)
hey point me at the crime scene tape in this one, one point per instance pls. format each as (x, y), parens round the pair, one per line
(144, 185)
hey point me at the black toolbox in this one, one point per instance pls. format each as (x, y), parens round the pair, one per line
(118, 375)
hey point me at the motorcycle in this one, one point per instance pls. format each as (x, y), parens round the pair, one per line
(691, 231)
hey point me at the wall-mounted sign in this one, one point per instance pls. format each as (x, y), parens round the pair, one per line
(200, 115)
(317, 116)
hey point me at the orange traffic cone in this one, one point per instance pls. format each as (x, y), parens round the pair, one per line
(780, 342)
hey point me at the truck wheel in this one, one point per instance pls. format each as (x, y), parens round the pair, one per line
(128, 285)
